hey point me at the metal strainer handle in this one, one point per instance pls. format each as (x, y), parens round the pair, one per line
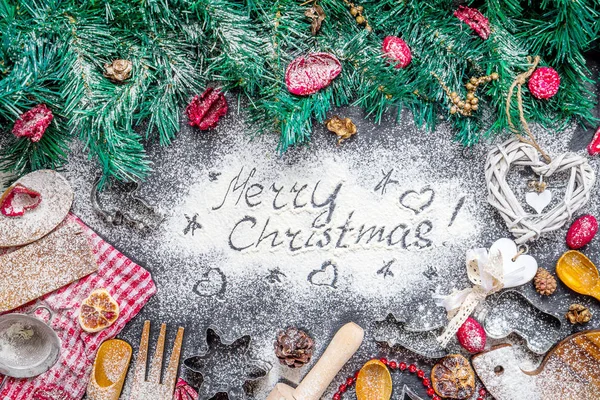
(42, 307)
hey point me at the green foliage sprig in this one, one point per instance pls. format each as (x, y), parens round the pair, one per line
(54, 51)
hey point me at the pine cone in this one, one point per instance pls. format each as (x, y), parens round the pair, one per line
(578, 314)
(545, 283)
(294, 347)
(118, 70)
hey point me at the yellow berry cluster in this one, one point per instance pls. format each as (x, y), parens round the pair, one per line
(471, 103)
(357, 13)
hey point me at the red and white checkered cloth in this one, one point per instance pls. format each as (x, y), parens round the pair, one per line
(129, 284)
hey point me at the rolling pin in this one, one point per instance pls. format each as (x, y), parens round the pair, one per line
(281, 392)
(342, 347)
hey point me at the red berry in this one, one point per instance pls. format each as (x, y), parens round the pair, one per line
(436, 397)
(384, 361)
(343, 388)
(412, 368)
(420, 373)
(426, 382)
(594, 146)
(582, 231)
(350, 381)
(396, 50)
(393, 365)
(471, 336)
(356, 374)
(337, 396)
(482, 392)
(430, 392)
(544, 83)
(402, 366)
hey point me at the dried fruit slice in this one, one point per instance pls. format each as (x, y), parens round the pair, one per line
(452, 377)
(98, 311)
(17, 199)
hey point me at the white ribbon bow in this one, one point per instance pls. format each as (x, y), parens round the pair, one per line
(485, 271)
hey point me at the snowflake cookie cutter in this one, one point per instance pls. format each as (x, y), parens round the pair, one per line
(539, 329)
(118, 217)
(420, 341)
(225, 367)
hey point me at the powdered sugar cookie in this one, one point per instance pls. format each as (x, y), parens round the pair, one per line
(56, 200)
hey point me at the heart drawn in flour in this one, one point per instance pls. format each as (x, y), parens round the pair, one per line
(519, 271)
(213, 283)
(539, 201)
(417, 201)
(325, 276)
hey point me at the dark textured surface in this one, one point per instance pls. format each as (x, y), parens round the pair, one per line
(319, 319)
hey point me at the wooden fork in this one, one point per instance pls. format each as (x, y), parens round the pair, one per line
(143, 389)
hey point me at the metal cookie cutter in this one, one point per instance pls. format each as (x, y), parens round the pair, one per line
(512, 312)
(213, 375)
(119, 217)
(28, 346)
(423, 342)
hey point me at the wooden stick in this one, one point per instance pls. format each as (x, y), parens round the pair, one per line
(282, 392)
(342, 347)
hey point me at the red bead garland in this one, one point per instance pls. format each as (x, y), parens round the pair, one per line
(393, 366)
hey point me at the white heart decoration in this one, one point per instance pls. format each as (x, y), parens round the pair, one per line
(539, 201)
(518, 272)
(524, 226)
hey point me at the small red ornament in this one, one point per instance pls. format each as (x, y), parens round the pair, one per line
(412, 368)
(475, 19)
(594, 146)
(18, 199)
(544, 82)
(397, 50)
(582, 231)
(33, 123)
(471, 336)
(205, 110)
(310, 73)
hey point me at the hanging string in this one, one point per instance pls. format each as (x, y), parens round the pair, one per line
(518, 83)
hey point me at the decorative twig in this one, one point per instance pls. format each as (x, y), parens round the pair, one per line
(471, 102)
(357, 13)
(519, 82)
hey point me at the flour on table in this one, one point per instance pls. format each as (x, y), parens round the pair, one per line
(373, 225)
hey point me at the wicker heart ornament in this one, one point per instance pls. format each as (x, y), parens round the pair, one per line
(524, 226)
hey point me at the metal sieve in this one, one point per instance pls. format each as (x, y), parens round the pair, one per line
(28, 346)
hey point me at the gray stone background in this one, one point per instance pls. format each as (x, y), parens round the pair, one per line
(320, 319)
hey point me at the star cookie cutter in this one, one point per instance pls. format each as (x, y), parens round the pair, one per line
(422, 342)
(224, 367)
(118, 217)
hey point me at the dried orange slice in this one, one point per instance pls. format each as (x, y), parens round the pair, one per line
(98, 311)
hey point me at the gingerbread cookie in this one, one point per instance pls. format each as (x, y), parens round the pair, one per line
(50, 263)
(56, 198)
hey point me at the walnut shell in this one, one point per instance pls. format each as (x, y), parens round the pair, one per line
(452, 377)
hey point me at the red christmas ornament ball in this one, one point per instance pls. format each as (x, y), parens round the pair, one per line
(582, 231)
(471, 336)
(205, 110)
(544, 83)
(396, 50)
(310, 73)
(33, 123)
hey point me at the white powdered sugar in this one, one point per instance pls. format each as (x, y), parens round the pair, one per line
(342, 222)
